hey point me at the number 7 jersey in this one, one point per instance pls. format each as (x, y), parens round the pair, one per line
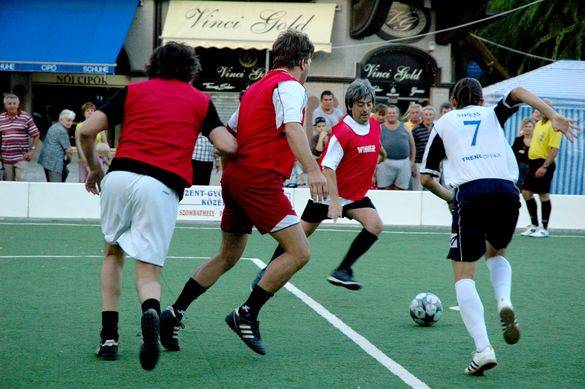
(471, 143)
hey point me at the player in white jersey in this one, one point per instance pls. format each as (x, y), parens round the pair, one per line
(480, 173)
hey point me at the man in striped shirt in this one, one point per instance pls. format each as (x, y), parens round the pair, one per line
(16, 127)
(421, 136)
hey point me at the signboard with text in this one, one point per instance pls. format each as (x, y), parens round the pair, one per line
(400, 73)
(56, 68)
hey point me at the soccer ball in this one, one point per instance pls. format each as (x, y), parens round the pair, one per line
(426, 309)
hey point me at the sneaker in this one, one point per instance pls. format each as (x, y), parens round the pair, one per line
(150, 348)
(540, 233)
(107, 350)
(169, 329)
(344, 277)
(257, 278)
(509, 323)
(247, 329)
(482, 361)
(531, 229)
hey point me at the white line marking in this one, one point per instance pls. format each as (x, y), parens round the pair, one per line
(90, 256)
(349, 229)
(358, 339)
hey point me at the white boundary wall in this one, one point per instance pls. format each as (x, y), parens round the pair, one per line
(204, 203)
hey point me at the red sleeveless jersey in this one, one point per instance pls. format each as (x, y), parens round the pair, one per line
(360, 157)
(260, 144)
(162, 119)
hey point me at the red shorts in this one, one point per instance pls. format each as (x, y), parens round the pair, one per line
(257, 200)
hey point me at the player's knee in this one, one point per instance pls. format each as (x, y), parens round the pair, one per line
(375, 227)
(301, 253)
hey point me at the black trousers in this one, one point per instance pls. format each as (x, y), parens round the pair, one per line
(201, 172)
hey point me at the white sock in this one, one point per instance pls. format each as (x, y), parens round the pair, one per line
(471, 310)
(501, 277)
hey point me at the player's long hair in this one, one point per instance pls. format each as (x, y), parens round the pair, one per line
(174, 61)
(467, 91)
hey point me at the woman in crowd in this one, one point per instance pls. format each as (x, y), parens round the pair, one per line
(56, 146)
(520, 148)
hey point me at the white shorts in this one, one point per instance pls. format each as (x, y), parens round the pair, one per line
(394, 171)
(139, 214)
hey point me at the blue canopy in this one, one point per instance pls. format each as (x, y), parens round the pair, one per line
(63, 36)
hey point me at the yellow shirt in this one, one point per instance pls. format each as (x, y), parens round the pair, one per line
(543, 139)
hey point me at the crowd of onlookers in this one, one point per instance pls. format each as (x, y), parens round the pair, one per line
(404, 138)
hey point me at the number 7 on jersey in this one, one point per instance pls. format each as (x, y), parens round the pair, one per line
(475, 123)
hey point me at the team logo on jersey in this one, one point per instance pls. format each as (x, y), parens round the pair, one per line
(366, 149)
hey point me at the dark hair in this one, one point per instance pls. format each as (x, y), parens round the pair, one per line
(174, 61)
(88, 105)
(319, 119)
(326, 93)
(445, 105)
(381, 108)
(467, 91)
(290, 48)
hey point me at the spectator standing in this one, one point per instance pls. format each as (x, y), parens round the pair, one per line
(202, 161)
(321, 137)
(380, 113)
(397, 169)
(327, 109)
(88, 109)
(420, 135)
(444, 108)
(414, 115)
(544, 147)
(535, 116)
(56, 147)
(16, 127)
(520, 148)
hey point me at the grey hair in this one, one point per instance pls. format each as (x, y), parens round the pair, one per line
(67, 113)
(429, 108)
(394, 107)
(10, 96)
(358, 90)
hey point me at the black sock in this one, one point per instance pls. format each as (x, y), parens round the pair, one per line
(109, 326)
(190, 292)
(532, 210)
(277, 253)
(151, 304)
(359, 246)
(255, 302)
(546, 207)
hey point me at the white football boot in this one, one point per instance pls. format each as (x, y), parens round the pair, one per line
(482, 361)
(540, 233)
(530, 229)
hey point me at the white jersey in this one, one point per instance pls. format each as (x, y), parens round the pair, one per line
(471, 143)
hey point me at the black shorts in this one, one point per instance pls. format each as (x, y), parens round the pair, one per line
(541, 184)
(317, 212)
(483, 210)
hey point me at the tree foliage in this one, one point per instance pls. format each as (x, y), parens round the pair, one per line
(553, 29)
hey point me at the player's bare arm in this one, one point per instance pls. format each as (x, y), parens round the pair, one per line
(87, 133)
(335, 205)
(552, 155)
(559, 122)
(223, 140)
(433, 185)
(299, 145)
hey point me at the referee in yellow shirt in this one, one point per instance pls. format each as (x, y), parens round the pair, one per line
(543, 150)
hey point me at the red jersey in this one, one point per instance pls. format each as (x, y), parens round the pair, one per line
(261, 145)
(360, 156)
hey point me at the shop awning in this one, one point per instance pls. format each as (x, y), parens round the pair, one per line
(63, 36)
(246, 25)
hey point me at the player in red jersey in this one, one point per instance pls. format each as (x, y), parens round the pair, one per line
(270, 137)
(349, 164)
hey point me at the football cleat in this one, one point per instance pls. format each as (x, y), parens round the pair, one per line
(169, 329)
(482, 361)
(247, 329)
(344, 277)
(150, 348)
(107, 350)
(509, 323)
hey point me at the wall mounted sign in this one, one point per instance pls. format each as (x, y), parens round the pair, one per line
(405, 20)
(229, 70)
(400, 73)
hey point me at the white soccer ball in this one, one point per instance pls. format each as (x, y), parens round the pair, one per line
(426, 309)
